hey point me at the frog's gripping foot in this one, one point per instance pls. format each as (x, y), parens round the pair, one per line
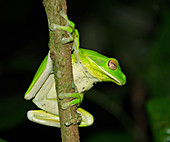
(75, 101)
(83, 118)
(76, 120)
(64, 28)
(70, 29)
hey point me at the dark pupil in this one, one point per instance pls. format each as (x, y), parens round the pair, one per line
(112, 65)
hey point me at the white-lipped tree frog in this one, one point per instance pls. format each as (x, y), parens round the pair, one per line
(89, 67)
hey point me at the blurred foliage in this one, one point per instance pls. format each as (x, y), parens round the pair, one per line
(159, 81)
(137, 33)
(159, 118)
(159, 62)
(1, 140)
(108, 135)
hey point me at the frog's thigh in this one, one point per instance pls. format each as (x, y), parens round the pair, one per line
(44, 118)
(87, 118)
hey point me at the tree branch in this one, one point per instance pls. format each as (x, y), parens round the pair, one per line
(62, 65)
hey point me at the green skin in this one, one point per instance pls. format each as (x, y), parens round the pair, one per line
(89, 67)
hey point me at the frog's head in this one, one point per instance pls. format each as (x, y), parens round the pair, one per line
(104, 68)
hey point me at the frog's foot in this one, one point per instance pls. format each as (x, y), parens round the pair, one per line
(69, 27)
(70, 23)
(44, 118)
(66, 28)
(87, 118)
(76, 120)
(77, 98)
(83, 118)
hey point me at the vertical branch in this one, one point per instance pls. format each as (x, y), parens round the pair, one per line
(62, 65)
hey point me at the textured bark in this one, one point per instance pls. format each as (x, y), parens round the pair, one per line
(61, 57)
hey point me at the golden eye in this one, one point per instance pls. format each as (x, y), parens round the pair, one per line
(113, 64)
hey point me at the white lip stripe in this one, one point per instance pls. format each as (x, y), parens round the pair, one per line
(106, 72)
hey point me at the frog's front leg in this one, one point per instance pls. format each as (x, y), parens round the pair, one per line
(70, 28)
(76, 101)
(83, 118)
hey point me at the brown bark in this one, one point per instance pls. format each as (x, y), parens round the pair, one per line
(61, 57)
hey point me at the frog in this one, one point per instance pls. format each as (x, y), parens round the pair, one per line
(89, 67)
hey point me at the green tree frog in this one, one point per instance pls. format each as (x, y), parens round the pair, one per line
(89, 67)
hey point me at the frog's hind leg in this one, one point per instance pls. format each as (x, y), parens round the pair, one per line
(44, 118)
(87, 118)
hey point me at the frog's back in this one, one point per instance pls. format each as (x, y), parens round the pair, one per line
(91, 53)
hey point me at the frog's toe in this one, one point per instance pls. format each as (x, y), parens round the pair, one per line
(65, 105)
(66, 40)
(71, 103)
(76, 120)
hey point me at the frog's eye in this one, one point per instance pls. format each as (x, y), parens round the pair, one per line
(113, 64)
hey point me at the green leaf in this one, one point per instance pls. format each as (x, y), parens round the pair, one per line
(109, 136)
(1, 140)
(159, 115)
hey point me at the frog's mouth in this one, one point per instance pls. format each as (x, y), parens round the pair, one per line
(114, 78)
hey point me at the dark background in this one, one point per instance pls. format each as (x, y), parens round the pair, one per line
(137, 33)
